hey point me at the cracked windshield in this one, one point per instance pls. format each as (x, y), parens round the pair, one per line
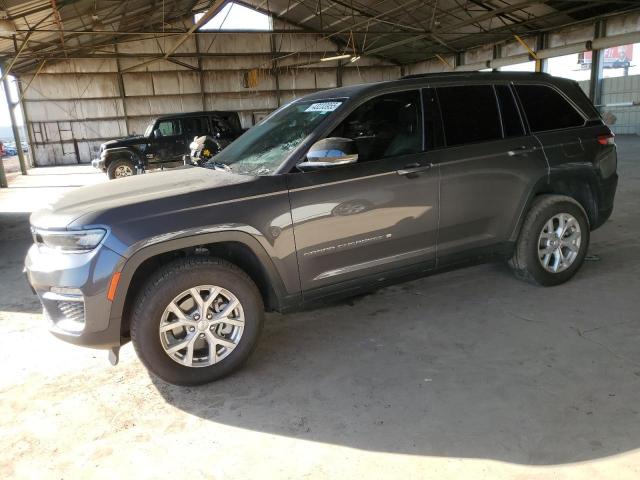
(262, 149)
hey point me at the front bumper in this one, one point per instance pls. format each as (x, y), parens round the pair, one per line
(98, 163)
(73, 291)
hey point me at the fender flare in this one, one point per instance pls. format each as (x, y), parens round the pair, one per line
(130, 265)
(111, 154)
(579, 174)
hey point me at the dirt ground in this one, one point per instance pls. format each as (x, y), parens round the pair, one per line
(470, 374)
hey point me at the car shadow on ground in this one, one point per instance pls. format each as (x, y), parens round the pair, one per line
(471, 363)
(15, 239)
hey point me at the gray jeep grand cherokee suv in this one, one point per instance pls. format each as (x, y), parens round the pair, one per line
(338, 192)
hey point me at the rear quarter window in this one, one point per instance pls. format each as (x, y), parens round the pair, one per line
(546, 109)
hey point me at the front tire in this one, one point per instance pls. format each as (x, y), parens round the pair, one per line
(196, 320)
(553, 241)
(121, 168)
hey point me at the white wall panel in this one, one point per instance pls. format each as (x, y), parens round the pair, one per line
(234, 43)
(582, 33)
(354, 76)
(259, 101)
(623, 24)
(237, 63)
(81, 65)
(163, 105)
(74, 94)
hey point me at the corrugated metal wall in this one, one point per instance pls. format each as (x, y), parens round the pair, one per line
(622, 90)
(74, 105)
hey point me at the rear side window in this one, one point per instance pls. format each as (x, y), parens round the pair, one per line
(546, 109)
(195, 125)
(469, 114)
(511, 122)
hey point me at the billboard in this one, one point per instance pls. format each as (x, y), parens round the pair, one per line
(614, 57)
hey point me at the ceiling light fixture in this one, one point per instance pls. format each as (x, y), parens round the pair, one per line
(337, 57)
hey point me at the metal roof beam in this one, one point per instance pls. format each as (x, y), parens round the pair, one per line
(470, 21)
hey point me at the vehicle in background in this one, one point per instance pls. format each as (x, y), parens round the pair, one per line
(337, 193)
(203, 149)
(10, 149)
(165, 141)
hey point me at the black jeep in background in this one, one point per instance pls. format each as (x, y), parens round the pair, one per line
(165, 141)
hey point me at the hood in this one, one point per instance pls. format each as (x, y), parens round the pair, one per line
(140, 194)
(126, 142)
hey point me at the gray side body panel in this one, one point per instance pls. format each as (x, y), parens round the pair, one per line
(483, 191)
(363, 219)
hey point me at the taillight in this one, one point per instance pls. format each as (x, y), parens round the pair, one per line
(606, 139)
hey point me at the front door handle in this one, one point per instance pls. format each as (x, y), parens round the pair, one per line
(415, 168)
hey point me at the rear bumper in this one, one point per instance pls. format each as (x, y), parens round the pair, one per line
(98, 163)
(606, 199)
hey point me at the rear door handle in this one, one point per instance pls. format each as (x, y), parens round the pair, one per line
(415, 168)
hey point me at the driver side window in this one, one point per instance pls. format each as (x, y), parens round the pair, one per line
(385, 126)
(169, 128)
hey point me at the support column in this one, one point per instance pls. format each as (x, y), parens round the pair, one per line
(14, 125)
(597, 58)
(203, 99)
(3, 176)
(496, 54)
(122, 93)
(541, 43)
(27, 123)
(274, 68)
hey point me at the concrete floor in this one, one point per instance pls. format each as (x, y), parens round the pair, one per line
(469, 374)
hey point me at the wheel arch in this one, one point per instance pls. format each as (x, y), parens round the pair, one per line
(580, 185)
(236, 247)
(127, 153)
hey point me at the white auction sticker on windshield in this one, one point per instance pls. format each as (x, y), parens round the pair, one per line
(323, 107)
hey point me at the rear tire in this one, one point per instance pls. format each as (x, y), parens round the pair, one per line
(201, 347)
(121, 168)
(553, 241)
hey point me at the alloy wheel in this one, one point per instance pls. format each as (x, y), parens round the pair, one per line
(201, 326)
(559, 242)
(123, 171)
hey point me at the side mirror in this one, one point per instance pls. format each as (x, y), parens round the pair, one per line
(330, 152)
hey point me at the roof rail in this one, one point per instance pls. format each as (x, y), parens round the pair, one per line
(468, 73)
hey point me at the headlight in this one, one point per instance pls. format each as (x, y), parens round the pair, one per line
(72, 241)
